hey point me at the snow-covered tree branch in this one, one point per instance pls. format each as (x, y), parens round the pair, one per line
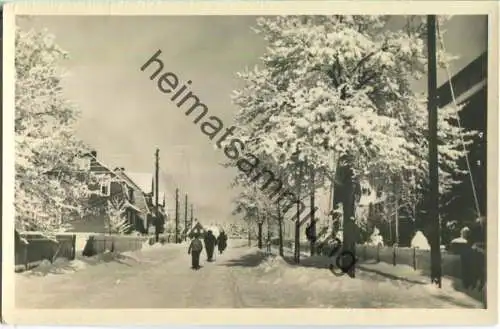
(342, 86)
(49, 185)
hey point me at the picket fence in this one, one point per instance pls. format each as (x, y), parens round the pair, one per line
(416, 258)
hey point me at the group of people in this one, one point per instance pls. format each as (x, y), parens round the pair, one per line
(210, 242)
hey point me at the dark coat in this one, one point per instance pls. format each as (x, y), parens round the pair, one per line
(210, 241)
(222, 241)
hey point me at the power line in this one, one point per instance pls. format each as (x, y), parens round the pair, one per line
(474, 192)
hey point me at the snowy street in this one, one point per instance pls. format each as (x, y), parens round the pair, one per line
(160, 277)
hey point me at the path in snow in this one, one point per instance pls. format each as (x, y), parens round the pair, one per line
(241, 277)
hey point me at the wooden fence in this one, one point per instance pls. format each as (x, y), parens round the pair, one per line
(98, 244)
(31, 248)
(416, 258)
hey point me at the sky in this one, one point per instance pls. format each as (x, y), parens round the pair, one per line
(124, 116)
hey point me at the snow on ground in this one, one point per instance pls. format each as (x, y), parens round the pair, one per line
(65, 266)
(375, 286)
(161, 277)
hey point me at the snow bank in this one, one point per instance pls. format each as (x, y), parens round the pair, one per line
(271, 263)
(313, 274)
(64, 266)
(59, 266)
(146, 245)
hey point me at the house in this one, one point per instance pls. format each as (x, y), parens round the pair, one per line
(142, 192)
(470, 89)
(196, 228)
(110, 186)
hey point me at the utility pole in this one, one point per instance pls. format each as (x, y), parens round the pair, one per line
(192, 214)
(434, 222)
(157, 211)
(186, 215)
(176, 215)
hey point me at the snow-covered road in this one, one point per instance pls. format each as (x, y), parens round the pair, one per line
(242, 277)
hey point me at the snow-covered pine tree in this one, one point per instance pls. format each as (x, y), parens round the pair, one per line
(117, 223)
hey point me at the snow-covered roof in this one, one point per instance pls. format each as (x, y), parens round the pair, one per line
(145, 181)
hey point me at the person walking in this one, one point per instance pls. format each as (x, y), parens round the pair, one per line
(210, 242)
(462, 246)
(222, 241)
(195, 248)
(477, 241)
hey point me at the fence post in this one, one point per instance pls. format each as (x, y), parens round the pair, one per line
(73, 246)
(414, 258)
(394, 255)
(25, 255)
(364, 252)
(378, 253)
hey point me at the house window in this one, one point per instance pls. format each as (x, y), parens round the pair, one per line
(131, 195)
(83, 163)
(105, 185)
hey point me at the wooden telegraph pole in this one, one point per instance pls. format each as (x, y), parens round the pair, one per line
(176, 215)
(186, 216)
(192, 214)
(434, 222)
(157, 210)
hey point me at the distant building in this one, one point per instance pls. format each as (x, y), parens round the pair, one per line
(142, 191)
(470, 87)
(109, 186)
(196, 228)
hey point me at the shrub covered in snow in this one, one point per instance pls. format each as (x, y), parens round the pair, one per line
(420, 241)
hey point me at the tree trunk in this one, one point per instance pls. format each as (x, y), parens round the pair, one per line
(297, 219)
(345, 194)
(260, 234)
(349, 243)
(249, 234)
(280, 233)
(313, 220)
